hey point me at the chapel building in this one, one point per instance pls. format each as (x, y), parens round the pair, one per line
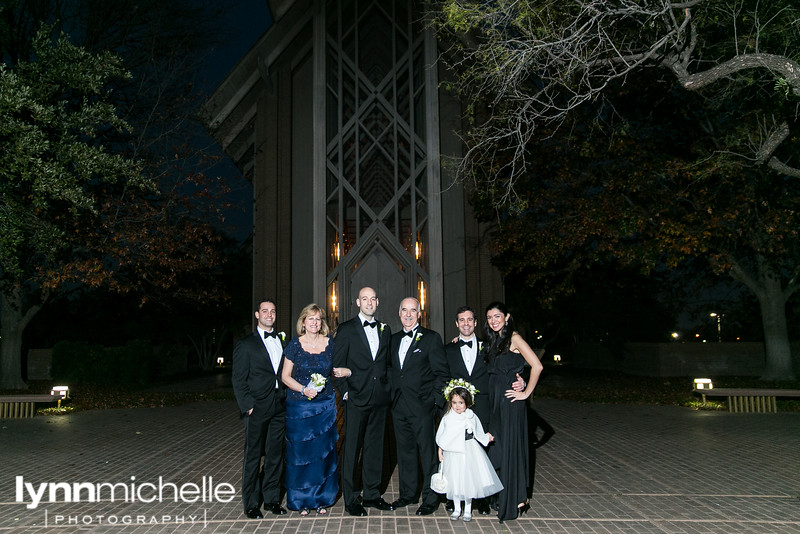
(338, 117)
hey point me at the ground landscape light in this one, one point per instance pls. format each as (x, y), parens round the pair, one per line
(61, 391)
(703, 383)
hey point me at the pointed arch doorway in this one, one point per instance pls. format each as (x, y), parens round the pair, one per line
(382, 267)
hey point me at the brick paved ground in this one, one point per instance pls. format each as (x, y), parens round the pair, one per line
(608, 469)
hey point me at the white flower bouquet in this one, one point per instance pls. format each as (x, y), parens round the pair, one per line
(317, 382)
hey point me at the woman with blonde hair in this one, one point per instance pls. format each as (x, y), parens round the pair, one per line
(312, 481)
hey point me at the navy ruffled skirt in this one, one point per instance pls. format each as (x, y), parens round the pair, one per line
(311, 462)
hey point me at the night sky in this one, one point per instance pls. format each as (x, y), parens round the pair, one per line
(246, 22)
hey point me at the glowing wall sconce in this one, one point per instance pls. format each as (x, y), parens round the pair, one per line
(336, 250)
(62, 392)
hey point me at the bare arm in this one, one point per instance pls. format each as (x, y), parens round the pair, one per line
(520, 346)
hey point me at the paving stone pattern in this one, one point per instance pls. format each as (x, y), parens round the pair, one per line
(608, 469)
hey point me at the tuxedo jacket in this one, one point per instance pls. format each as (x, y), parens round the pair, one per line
(253, 376)
(368, 385)
(424, 373)
(479, 377)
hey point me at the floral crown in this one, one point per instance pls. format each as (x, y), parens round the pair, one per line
(459, 383)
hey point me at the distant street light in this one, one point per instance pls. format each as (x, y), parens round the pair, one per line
(719, 325)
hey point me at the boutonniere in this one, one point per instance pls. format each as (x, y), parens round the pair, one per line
(480, 346)
(382, 326)
(418, 337)
(282, 336)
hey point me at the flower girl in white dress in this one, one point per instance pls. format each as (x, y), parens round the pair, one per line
(469, 473)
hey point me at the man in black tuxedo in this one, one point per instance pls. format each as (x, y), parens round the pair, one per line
(465, 359)
(360, 359)
(417, 375)
(261, 396)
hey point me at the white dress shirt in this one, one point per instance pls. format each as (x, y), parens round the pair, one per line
(469, 354)
(405, 343)
(373, 335)
(275, 350)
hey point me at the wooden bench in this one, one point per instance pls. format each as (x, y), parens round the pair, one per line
(750, 399)
(19, 406)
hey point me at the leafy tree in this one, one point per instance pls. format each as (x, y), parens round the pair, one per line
(53, 113)
(162, 241)
(711, 175)
(632, 193)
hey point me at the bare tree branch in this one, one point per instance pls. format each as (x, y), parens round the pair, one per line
(536, 62)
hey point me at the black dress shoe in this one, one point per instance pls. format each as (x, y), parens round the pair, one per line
(356, 510)
(275, 508)
(449, 506)
(254, 513)
(426, 509)
(399, 503)
(379, 503)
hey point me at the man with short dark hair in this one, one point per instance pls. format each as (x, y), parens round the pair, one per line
(465, 360)
(261, 396)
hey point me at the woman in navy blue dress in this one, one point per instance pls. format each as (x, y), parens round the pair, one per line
(312, 481)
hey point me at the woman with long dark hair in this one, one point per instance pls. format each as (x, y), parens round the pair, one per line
(506, 355)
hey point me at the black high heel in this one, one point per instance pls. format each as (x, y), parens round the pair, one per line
(523, 508)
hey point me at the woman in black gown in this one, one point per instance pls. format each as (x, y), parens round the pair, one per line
(506, 356)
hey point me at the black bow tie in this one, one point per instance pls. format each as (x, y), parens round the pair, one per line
(372, 324)
(461, 343)
(410, 333)
(270, 334)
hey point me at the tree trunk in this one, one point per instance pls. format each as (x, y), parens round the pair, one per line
(13, 320)
(776, 335)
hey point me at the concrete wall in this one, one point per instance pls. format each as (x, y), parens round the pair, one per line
(675, 359)
(172, 360)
